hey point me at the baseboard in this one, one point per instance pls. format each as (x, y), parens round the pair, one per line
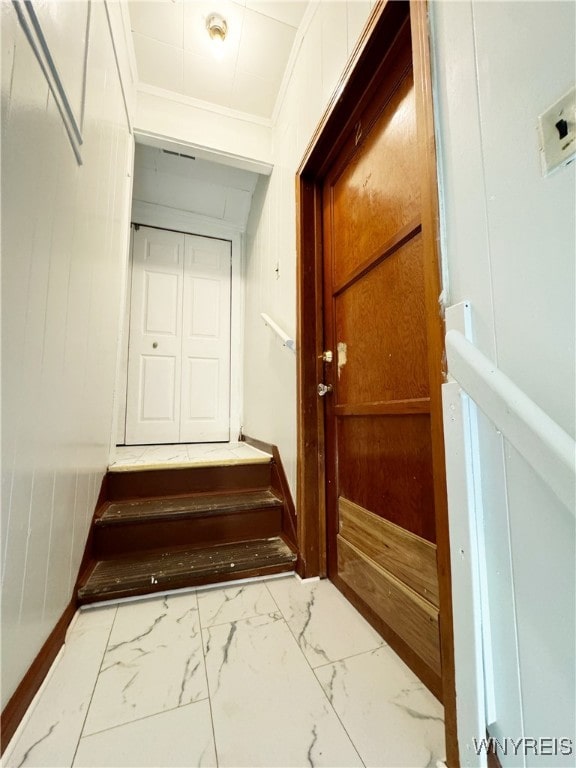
(22, 697)
(280, 484)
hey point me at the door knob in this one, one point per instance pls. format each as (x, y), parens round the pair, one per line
(324, 389)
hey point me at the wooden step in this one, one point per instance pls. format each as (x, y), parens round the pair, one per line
(173, 508)
(147, 483)
(158, 571)
(126, 527)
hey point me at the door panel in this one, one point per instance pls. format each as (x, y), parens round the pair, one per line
(384, 202)
(408, 557)
(413, 619)
(380, 319)
(380, 494)
(206, 341)
(179, 350)
(158, 389)
(154, 356)
(385, 466)
(203, 376)
(161, 303)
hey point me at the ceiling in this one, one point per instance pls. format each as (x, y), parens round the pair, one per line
(174, 51)
(192, 184)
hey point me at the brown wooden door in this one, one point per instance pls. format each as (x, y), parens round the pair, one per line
(379, 479)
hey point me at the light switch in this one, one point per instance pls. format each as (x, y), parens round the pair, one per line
(558, 133)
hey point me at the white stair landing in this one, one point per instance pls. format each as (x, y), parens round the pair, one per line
(140, 457)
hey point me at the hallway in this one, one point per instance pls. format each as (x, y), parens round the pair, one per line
(270, 673)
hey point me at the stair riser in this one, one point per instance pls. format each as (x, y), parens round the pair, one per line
(184, 582)
(157, 483)
(195, 532)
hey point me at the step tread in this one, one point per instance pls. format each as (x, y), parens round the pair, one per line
(189, 464)
(170, 570)
(171, 508)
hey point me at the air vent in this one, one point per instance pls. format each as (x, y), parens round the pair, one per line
(178, 154)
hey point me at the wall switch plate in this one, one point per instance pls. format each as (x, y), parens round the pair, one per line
(558, 133)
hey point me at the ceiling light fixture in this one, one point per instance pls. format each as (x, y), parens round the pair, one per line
(217, 29)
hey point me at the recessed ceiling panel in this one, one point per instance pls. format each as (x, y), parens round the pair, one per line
(174, 51)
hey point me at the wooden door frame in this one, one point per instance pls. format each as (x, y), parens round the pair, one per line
(353, 90)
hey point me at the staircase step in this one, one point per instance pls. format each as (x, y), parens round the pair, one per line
(179, 481)
(141, 525)
(159, 571)
(174, 508)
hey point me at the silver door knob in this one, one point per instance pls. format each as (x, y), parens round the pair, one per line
(324, 389)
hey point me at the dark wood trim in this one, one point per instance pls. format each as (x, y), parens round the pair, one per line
(492, 755)
(22, 697)
(311, 496)
(279, 484)
(385, 408)
(359, 74)
(362, 72)
(436, 356)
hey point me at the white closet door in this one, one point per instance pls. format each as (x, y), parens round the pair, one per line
(154, 358)
(205, 402)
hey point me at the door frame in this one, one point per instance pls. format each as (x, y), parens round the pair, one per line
(158, 217)
(360, 77)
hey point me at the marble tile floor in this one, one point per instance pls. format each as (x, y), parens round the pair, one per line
(272, 672)
(185, 454)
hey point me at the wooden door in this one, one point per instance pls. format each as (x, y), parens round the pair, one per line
(380, 494)
(179, 349)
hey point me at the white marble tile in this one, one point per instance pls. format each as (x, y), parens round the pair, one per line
(180, 737)
(218, 606)
(51, 735)
(197, 451)
(245, 451)
(153, 662)
(127, 454)
(392, 718)
(186, 453)
(217, 454)
(168, 454)
(267, 707)
(326, 626)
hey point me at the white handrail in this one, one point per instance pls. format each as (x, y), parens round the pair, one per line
(549, 450)
(286, 340)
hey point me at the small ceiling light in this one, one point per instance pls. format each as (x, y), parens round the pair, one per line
(217, 29)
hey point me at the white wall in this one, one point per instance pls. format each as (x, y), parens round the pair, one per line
(210, 132)
(327, 37)
(509, 245)
(64, 248)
